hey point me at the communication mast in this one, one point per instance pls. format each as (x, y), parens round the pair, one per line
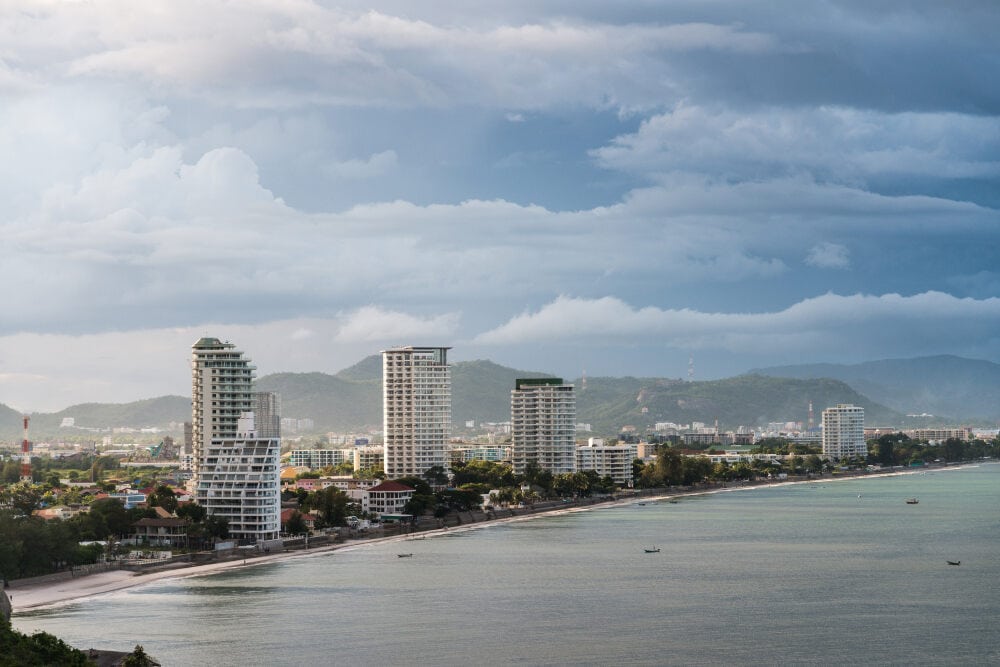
(26, 454)
(811, 420)
(691, 368)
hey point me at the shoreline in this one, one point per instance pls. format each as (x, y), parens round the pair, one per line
(48, 595)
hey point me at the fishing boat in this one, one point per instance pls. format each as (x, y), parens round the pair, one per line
(953, 562)
(654, 550)
(912, 501)
(404, 555)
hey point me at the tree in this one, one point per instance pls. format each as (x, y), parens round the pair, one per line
(331, 503)
(24, 498)
(138, 658)
(163, 496)
(217, 527)
(296, 524)
(436, 476)
(669, 466)
(193, 512)
(113, 516)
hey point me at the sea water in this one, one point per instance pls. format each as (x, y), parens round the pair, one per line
(830, 572)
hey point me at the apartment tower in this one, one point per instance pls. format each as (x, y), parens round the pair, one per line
(844, 432)
(416, 409)
(236, 469)
(543, 425)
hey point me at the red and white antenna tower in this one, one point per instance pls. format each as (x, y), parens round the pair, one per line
(811, 420)
(26, 454)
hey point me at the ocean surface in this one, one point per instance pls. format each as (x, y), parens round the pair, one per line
(825, 573)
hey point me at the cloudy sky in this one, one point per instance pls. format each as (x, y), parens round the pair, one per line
(562, 186)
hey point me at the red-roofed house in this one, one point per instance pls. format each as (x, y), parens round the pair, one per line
(286, 515)
(388, 498)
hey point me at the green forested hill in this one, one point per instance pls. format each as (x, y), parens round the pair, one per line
(946, 386)
(351, 400)
(746, 400)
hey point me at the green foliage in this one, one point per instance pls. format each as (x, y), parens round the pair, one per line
(296, 524)
(331, 503)
(41, 648)
(138, 658)
(489, 473)
(419, 486)
(163, 497)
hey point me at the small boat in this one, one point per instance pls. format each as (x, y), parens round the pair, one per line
(953, 562)
(912, 501)
(641, 504)
(654, 550)
(673, 502)
(404, 555)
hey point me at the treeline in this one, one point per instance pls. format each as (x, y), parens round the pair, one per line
(82, 466)
(32, 546)
(899, 449)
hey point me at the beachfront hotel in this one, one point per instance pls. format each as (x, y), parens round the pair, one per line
(844, 432)
(236, 468)
(416, 409)
(543, 425)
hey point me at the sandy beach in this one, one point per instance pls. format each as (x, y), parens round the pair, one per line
(25, 598)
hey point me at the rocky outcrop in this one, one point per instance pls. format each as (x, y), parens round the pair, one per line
(5, 608)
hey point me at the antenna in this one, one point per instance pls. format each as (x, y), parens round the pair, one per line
(811, 420)
(583, 381)
(26, 454)
(691, 368)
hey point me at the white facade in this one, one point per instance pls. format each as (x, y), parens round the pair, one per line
(320, 458)
(543, 425)
(844, 432)
(236, 472)
(388, 498)
(416, 417)
(614, 461)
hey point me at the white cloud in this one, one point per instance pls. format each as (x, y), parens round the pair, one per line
(377, 164)
(831, 143)
(372, 323)
(828, 256)
(812, 326)
(301, 53)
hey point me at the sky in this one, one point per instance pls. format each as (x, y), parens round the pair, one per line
(630, 188)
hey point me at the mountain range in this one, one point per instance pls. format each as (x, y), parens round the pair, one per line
(948, 387)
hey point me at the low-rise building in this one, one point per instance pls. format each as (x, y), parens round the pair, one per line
(168, 531)
(388, 498)
(614, 461)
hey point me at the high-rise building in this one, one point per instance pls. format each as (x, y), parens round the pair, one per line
(543, 425)
(844, 432)
(416, 413)
(236, 469)
(267, 414)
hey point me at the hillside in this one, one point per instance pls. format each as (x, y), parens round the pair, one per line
(945, 386)
(151, 412)
(746, 400)
(351, 399)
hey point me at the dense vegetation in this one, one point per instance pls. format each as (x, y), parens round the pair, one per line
(41, 648)
(31, 546)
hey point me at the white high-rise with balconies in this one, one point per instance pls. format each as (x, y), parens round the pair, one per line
(236, 471)
(844, 432)
(543, 425)
(416, 409)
